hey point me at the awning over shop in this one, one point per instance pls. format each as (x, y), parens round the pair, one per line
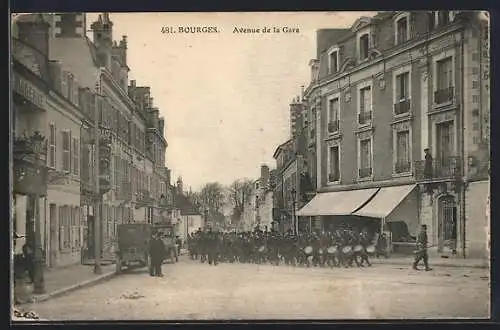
(385, 201)
(337, 203)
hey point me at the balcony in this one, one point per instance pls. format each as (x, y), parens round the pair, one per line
(364, 172)
(364, 117)
(333, 126)
(143, 197)
(438, 169)
(402, 107)
(445, 95)
(402, 167)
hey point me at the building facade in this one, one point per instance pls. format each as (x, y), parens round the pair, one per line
(87, 81)
(392, 98)
(41, 103)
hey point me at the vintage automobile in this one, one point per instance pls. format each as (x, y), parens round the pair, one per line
(132, 246)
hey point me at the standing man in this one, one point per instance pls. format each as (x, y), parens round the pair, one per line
(421, 253)
(157, 253)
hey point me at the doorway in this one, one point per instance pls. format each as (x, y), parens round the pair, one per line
(447, 223)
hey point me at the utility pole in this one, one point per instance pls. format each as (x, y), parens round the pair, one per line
(97, 196)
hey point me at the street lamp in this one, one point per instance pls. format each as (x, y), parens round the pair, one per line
(294, 201)
(39, 150)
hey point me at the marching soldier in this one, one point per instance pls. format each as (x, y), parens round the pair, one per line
(421, 253)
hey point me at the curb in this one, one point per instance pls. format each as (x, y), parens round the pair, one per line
(433, 264)
(59, 292)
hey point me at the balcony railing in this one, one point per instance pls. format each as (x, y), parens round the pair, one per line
(364, 117)
(365, 172)
(438, 169)
(402, 107)
(333, 177)
(443, 95)
(333, 126)
(402, 167)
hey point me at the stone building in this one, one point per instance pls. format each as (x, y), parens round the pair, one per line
(382, 92)
(85, 76)
(43, 102)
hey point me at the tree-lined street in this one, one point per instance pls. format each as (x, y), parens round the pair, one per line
(193, 291)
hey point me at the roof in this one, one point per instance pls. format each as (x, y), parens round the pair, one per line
(185, 205)
(280, 147)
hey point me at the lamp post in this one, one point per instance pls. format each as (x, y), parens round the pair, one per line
(39, 149)
(294, 201)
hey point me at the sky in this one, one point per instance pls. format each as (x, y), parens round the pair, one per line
(224, 96)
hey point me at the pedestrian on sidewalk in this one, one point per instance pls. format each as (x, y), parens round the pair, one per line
(29, 261)
(157, 253)
(421, 253)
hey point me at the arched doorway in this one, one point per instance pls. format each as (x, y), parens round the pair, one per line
(447, 223)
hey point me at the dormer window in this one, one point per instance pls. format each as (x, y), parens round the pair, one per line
(364, 45)
(402, 28)
(442, 17)
(333, 60)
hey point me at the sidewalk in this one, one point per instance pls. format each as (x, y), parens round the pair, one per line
(63, 280)
(457, 262)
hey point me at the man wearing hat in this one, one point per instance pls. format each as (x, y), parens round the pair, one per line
(421, 253)
(428, 163)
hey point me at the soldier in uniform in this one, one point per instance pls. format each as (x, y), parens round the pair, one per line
(421, 253)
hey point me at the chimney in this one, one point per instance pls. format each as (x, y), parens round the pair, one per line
(180, 188)
(302, 93)
(264, 175)
(161, 125)
(34, 31)
(132, 83)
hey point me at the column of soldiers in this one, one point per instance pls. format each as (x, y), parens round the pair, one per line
(340, 248)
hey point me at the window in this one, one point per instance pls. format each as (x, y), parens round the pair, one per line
(363, 46)
(445, 141)
(365, 158)
(403, 161)
(402, 30)
(52, 146)
(334, 165)
(333, 115)
(402, 98)
(64, 83)
(365, 113)
(76, 156)
(66, 151)
(444, 90)
(333, 61)
(64, 227)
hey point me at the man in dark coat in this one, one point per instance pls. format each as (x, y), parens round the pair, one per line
(29, 261)
(157, 252)
(421, 253)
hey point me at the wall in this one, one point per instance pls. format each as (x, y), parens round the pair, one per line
(477, 232)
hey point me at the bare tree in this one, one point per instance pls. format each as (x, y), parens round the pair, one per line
(212, 196)
(238, 195)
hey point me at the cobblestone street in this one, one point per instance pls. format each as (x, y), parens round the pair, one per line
(196, 291)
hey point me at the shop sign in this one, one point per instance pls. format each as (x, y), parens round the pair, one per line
(28, 90)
